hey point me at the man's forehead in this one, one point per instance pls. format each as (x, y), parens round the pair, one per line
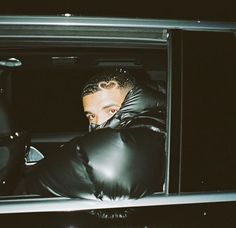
(103, 98)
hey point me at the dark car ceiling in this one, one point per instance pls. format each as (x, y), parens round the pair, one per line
(90, 58)
(182, 9)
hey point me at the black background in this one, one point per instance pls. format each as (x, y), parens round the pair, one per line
(181, 10)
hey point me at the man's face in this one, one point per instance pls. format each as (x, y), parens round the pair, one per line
(102, 105)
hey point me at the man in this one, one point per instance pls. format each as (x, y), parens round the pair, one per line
(123, 155)
(103, 96)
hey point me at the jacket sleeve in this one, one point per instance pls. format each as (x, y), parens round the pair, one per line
(106, 163)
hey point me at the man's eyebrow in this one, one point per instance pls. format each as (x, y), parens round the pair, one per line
(87, 112)
(110, 105)
(104, 107)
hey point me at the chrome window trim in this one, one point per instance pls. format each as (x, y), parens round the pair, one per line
(66, 205)
(117, 22)
(45, 29)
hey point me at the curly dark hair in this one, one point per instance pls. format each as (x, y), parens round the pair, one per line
(109, 79)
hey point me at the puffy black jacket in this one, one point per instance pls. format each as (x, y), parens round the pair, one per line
(123, 158)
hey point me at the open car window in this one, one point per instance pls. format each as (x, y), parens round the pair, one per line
(44, 89)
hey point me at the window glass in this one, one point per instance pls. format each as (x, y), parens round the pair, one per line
(209, 110)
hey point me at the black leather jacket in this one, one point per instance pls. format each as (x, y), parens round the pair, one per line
(123, 158)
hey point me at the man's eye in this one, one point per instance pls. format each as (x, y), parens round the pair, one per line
(112, 111)
(91, 117)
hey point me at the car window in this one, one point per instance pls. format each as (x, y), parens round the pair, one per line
(208, 111)
(45, 91)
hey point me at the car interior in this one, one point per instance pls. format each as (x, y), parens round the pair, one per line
(43, 89)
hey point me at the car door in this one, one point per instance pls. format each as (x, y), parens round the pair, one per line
(194, 64)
